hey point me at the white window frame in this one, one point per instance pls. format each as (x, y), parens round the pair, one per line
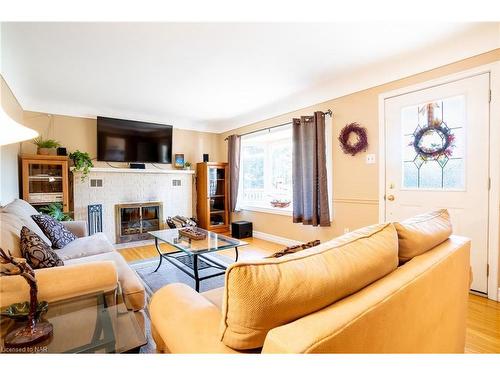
(247, 206)
(241, 205)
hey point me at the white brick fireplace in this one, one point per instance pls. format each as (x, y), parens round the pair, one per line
(112, 186)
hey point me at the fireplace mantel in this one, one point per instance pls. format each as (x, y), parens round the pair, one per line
(148, 170)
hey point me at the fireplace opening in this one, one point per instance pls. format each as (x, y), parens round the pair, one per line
(135, 220)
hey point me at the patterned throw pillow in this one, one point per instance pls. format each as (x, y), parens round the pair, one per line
(37, 253)
(294, 249)
(54, 230)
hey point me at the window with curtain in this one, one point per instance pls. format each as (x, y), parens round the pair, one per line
(266, 170)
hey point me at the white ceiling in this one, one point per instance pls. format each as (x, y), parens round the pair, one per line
(219, 76)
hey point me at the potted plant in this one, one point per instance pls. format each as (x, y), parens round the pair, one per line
(187, 165)
(81, 162)
(56, 211)
(46, 146)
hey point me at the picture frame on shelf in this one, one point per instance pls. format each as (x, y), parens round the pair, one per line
(179, 160)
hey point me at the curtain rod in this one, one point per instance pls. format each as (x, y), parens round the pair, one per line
(328, 112)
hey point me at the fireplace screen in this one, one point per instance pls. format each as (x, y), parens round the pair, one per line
(135, 220)
(150, 218)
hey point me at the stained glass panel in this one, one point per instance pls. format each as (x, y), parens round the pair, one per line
(410, 173)
(453, 175)
(433, 138)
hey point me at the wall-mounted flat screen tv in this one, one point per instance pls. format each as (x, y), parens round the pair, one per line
(133, 141)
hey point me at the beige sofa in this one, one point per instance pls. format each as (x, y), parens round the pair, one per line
(91, 264)
(352, 294)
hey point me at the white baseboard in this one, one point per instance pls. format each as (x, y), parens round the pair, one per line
(275, 239)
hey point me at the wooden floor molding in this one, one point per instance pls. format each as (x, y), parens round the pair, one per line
(483, 318)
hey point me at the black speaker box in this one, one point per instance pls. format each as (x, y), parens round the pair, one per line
(241, 229)
(205, 158)
(61, 151)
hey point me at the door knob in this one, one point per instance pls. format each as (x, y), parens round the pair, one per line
(390, 197)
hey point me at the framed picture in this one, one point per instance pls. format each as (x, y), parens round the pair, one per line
(179, 160)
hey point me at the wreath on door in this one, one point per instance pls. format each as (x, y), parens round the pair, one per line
(361, 142)
(435, 140)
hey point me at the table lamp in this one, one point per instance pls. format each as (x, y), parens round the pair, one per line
(13, 132)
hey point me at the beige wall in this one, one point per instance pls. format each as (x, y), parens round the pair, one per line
(9, 181)
(77, 133)
(355, 184)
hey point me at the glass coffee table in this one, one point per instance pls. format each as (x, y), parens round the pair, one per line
(93, 323)
(191, 254)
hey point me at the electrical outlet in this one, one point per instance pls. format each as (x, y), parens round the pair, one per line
(370, 159)
(346, 230)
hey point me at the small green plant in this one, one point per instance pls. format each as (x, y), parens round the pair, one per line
(187, 165)
(56, 211)
(82, 163)
(45, 143)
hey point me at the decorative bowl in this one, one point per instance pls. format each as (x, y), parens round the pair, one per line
(280, 203)
(192, 233)
(20, 311)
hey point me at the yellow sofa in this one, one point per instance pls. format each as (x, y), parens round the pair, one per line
(387, 288)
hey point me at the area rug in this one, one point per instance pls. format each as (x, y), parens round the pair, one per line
(168, 273)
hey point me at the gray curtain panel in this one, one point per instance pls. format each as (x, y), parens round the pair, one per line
(310, 186)
(233, 149)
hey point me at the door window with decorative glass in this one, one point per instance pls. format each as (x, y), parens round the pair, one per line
(434, 145)
(266, 169)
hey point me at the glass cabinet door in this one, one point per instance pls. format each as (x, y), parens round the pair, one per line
(45, 180)
(45, 183)
(217, 195)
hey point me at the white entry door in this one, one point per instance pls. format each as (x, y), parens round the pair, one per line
(436, 149)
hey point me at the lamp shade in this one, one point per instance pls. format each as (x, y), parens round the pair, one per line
(13, 132)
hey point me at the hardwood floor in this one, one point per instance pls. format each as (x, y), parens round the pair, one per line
(256, 249)
(483, 326)
(483, 318)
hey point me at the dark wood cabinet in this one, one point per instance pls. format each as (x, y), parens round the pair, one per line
(213, 196)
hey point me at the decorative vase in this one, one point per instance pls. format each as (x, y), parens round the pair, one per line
(34, 331)
(46, 151)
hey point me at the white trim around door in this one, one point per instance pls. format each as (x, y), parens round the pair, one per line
(494, 159)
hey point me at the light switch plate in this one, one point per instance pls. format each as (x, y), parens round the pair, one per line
(370, 159)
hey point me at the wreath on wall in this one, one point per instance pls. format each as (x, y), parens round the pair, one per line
(434, 140)
(361, 143)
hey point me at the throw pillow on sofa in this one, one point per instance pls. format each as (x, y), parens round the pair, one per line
(54, 230)
(36, 252)
(294, 249)
(22, 210)
(263, 294)
(421, 233)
